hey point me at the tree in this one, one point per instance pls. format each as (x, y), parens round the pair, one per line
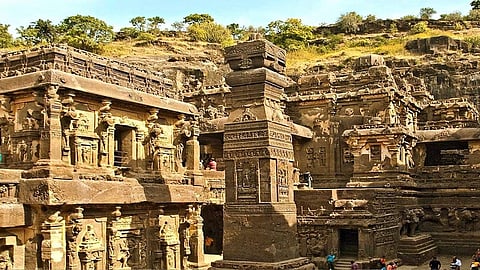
(178, 26)
(370, 18)
(473, 15)
(349, 22)
(38, 32)
(85, 32)
(454, 16)
(139, 23)
(6, 39)
(475, 4)
(154, 24)
(291, 34)
(197, 18)
(46, 31)
(426, 13)
(27, 35)
(236, 31)
(210, 32)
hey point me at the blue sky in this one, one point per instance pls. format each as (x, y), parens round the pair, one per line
(244, 12)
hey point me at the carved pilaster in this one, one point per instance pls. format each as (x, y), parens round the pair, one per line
(168, 254)
(106, 134)
(53, 249)
(74, 227)
(196, 258)
(117, 246)
(51, 130)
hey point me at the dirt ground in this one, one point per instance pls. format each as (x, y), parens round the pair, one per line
(445, 260)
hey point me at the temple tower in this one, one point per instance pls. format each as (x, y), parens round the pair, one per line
(260, 214)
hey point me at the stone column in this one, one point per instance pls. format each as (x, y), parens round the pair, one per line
(197, 255)
(259, 214)
(193, 156)
(53, 251)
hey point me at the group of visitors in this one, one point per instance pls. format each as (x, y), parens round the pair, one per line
(455, 264)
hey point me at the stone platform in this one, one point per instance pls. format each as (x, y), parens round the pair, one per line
(414, 250)
(294, 264)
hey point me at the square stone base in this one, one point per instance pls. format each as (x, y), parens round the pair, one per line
(293, 264)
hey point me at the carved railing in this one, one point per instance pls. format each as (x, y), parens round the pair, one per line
(85, 64)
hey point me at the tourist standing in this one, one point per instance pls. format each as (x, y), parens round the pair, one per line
(435, 264)
(212, 165)
(331, 261)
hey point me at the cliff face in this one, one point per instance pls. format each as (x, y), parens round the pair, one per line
(443, 66)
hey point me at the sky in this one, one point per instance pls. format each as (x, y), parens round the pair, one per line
(118, 13)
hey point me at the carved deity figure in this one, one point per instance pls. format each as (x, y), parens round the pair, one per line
(5, 260)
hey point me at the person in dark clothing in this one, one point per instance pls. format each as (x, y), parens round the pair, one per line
(435, 264)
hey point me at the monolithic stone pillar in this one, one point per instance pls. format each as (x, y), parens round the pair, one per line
(53, 244)
(260, 215)
(193, 157)
(197, 256)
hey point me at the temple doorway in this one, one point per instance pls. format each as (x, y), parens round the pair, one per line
(212, 215)
(348, 242)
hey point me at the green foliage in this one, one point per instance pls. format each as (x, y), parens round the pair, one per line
(475, 4)
(349, 22)
(473, 15)
(6, 39)
(139, 23)
(370, 18)
(85, 32)
(236, 31)
(210, 32)
(426, 13)
(290, 34)
(146, 37)
(128, 32)
(454, 16)
(458, 26)
(420, 27)
(197, 18)
(38, 32)
(392, 28)
(154, 25)
(473, 41)
(178, 26)
(409, 18)
(27, 35)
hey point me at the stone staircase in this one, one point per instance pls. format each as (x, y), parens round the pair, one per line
(343, 263)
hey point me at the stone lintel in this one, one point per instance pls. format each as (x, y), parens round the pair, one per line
(256, 76)
(294, 264)
(91, 86)
(57, 192)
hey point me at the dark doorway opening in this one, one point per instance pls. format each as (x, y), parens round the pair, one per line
(446, 153)
(212, 215)
(348, 242)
